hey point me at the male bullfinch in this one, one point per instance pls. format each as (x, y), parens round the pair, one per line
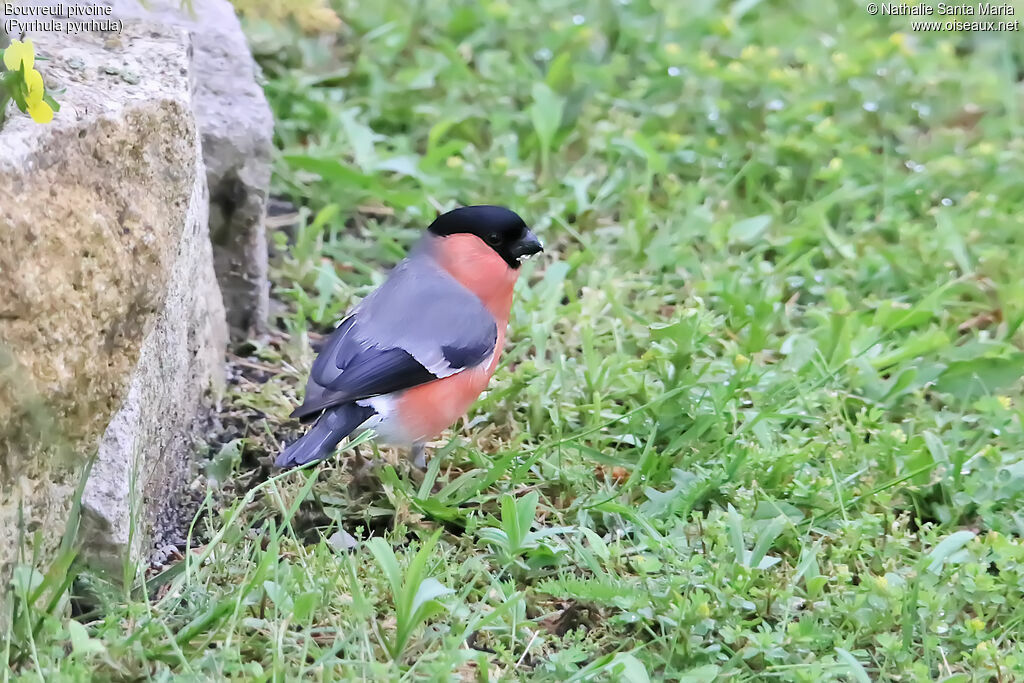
(409, 360)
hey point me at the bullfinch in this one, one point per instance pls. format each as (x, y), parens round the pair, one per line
(409, 360)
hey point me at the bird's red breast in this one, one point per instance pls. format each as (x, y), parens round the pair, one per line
(428, 409)
(479, 269)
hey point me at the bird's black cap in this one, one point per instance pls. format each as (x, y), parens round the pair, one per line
(500, 228)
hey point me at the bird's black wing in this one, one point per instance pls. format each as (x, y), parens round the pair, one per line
(351, 367)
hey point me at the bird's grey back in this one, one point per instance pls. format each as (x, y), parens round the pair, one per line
(422, 309)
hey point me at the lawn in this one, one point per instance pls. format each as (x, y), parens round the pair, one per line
(760, 416)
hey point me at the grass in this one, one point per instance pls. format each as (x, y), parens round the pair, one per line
(760, 415)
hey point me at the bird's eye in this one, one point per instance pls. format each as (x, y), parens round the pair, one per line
(493, 239)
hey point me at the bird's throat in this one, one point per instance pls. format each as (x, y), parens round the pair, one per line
(480, 270)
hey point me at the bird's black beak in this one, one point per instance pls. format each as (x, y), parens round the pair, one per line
(527, 245)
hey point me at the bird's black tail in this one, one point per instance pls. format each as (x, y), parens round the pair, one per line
(320, 441)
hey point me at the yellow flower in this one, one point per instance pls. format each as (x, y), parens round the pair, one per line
(703, 611)
(33, 86)
(1005, 401)
(454, 162)
(673, 49)
(21, 56)
(19, 53)
(40, 112)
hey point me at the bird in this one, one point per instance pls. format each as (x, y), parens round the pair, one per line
(410, 359)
